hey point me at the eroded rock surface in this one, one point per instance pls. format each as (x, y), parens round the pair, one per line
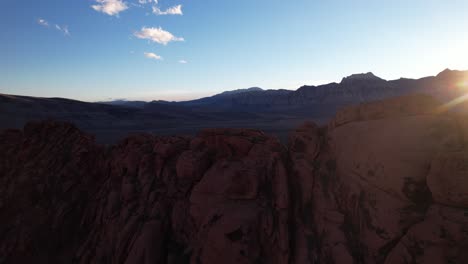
(389, 176)
(385, 182)
(221, 197)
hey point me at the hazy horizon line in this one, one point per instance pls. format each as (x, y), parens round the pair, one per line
(189, 95)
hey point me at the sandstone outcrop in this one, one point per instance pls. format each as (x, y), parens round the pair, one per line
(384, 182)
(388, 177)
(221, 197)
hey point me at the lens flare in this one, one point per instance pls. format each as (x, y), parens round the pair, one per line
(446, 107)
(462, 86)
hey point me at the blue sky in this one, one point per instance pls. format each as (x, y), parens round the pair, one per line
(109, 49)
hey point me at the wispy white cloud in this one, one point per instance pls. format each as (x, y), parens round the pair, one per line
(151, 55)
(110, 7)
(43, 22)
(63, 29)
(157, 35)
(142, 3)
(175, 10)
(183, 62)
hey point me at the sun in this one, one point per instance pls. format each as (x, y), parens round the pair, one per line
(462, 85)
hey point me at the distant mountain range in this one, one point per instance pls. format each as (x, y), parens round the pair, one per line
(356, 88)
(122, 102)
(274, 111)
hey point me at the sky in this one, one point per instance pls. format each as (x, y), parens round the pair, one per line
(96, 50)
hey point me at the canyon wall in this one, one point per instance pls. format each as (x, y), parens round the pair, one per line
(384, 182)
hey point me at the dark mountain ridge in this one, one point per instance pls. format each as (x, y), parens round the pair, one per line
(274, 111)
(356, 88)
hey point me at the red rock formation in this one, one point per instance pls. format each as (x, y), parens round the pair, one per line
(383, 172)
(383, 183)
(48, 173)
(220, 197)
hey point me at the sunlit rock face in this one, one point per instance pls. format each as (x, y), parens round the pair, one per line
(383, 182)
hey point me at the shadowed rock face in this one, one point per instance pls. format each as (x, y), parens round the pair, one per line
(384, 182)
(388, 185)
(221, 197)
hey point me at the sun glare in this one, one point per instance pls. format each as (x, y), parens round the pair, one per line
(446, 107)
(462, 84)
